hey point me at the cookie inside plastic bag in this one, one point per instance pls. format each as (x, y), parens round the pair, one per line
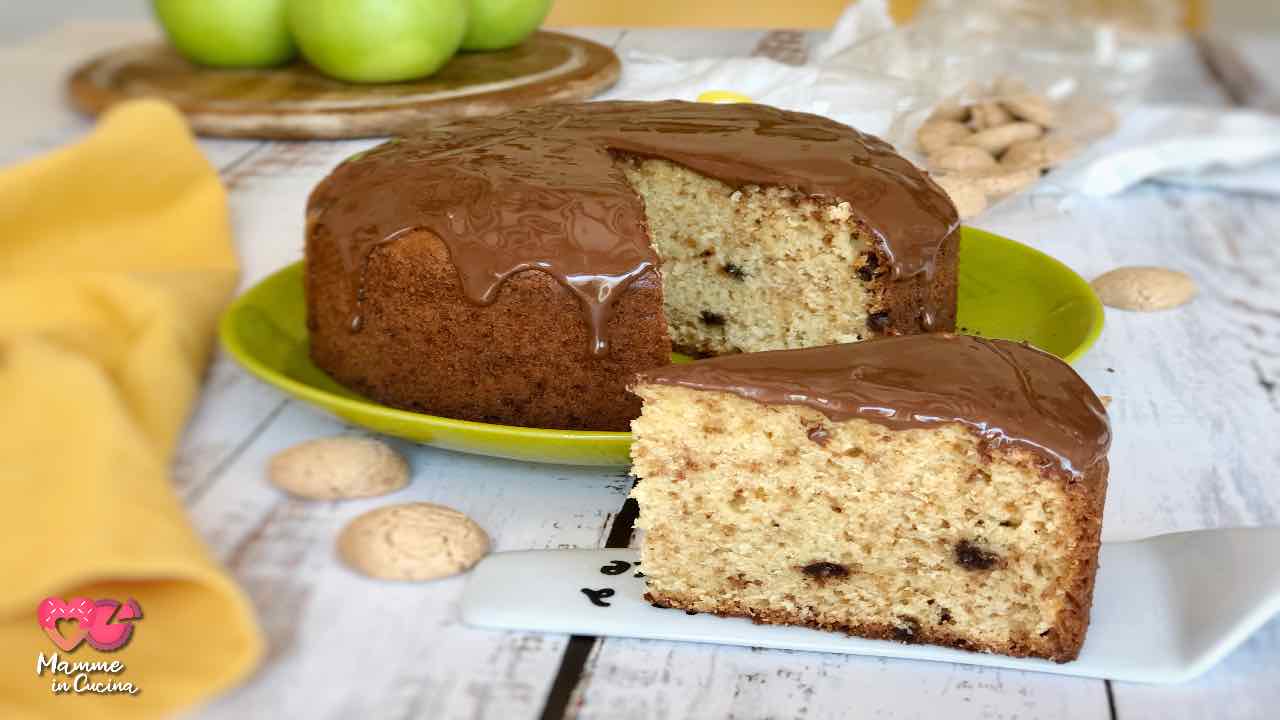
(1069, 65)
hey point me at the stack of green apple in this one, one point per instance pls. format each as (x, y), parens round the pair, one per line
(365, 41)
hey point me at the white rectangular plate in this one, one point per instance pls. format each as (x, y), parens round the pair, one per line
(1165, 609)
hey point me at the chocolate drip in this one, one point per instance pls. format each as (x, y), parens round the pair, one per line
(538, 190)
(1006, 392)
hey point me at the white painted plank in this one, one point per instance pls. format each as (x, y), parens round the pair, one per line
(233, 407)
(1245, 685)
(641, 680)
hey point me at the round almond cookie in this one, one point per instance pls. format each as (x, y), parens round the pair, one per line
(413, 541)
(338, 468)
(1144, 289)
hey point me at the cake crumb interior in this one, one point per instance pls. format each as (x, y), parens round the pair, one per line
(751, 269)
(779, 513)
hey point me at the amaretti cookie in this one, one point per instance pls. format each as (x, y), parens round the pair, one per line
(412, 541)
(931, 488)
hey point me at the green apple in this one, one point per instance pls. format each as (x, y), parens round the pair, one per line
(499, 24)
(378, 40)
(227, 33)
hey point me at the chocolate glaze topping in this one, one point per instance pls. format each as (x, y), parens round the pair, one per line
(538, 189)
(1006, 392)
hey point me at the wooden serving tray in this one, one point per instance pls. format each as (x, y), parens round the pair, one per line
(295, 102)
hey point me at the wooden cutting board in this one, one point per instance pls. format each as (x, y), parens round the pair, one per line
(295, 102)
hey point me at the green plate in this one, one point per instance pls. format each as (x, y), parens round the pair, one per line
(1007, 290)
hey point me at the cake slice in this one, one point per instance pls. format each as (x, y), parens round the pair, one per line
(930, 488)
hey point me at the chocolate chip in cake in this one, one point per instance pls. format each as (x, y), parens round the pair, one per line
(819, 435)
(868, 270)
(944, 616)
(878, 321)
(735, 271)
(972, 557)
(711, 318)
(825, 570)
(908, 631)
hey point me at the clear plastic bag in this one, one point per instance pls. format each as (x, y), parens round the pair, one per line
(1089, 59)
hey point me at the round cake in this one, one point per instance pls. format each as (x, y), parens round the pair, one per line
(521, 269)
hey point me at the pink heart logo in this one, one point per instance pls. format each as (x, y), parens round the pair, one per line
(53, 609)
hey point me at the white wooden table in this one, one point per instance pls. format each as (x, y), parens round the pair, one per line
(1197, 444)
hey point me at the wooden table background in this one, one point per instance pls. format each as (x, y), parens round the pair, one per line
(1196, 416)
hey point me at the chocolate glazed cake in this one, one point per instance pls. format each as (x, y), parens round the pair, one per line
(520, 269)
(933, 488)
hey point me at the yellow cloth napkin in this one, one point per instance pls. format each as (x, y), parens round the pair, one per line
(115, 258)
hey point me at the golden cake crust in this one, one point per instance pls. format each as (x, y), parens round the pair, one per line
(902, 304)
(422, 346)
